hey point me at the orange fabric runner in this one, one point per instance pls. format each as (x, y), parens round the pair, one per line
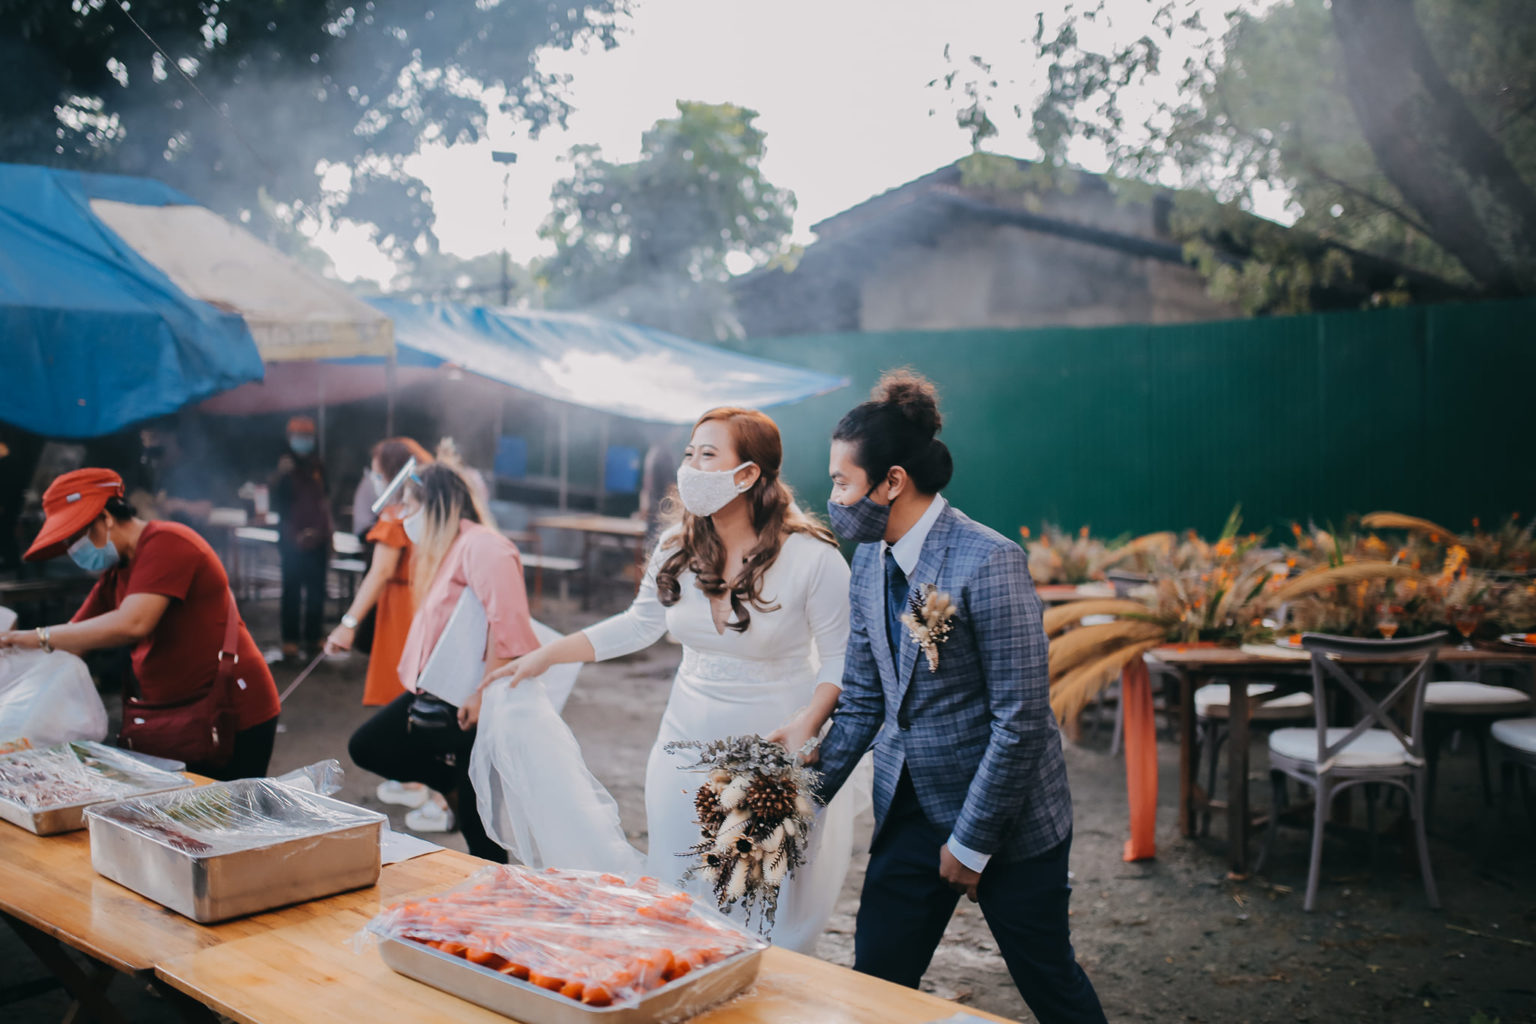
(1140, 728)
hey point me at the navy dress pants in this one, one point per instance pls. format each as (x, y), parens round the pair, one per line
(906, 906)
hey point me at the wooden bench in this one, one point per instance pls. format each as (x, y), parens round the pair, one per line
(535, 560)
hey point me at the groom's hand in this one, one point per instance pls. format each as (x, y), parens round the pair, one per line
(959, 877)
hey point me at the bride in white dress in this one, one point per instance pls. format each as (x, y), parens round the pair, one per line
(762, 647)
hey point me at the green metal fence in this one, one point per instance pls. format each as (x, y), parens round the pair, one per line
(1425, 410)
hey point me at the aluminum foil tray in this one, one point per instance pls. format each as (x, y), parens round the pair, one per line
(678, 1000)
(47, 790)
(235, 848)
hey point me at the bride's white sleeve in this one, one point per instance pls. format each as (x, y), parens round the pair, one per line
(639, 626)
(826, 611)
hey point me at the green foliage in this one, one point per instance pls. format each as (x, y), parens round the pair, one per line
(1263, 104)
(648, 240)
(290, 88)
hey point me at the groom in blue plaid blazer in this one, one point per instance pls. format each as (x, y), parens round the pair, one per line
(970, 787)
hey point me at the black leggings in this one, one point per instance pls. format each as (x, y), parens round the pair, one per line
(383, 745)
(252, 756)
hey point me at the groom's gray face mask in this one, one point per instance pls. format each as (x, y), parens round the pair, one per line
(863, 522)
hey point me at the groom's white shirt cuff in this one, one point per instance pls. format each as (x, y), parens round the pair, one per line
(977, 862)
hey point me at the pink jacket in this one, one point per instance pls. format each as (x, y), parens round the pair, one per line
(489, 563)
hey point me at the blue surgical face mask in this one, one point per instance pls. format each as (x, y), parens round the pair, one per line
(863, 522)
(91, 558)
(302, 444)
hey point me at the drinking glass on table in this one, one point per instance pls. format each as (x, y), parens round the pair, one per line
(1386, 620)
(1466, 620)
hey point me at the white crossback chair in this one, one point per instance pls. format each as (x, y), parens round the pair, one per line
(1383, 744)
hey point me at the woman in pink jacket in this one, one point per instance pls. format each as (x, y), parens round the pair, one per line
(416, 737)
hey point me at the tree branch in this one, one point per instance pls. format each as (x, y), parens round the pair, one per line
(1380, 204)
(1431, 147)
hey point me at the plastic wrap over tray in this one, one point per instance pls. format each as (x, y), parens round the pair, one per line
(552, 946)
(235, 848)
(47, 790)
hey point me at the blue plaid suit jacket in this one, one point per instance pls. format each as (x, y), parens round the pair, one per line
(977, 736)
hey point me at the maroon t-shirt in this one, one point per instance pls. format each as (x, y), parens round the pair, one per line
(181, 655)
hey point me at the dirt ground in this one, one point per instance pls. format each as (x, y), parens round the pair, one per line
(1165, 940)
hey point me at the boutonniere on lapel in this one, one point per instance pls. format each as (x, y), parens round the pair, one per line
(927, 620)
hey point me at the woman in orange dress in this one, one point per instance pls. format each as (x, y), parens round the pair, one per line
(387, 588)
(387, 583)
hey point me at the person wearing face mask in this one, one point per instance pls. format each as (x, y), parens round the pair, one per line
(757, 593)
(452, 552)
(163, 592)
(300, 498)
(386, 588)
(971, 790)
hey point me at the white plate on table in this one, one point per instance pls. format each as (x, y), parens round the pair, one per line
(1518, 640)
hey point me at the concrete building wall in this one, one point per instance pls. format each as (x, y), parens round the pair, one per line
(1002, 276)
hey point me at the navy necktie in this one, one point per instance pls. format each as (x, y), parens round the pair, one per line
(895, 604)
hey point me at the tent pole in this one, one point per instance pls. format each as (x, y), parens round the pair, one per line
(565, 445)
(389, 395)
(602, 467)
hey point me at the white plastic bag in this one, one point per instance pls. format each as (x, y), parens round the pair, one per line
(535, 794)
(47, 699)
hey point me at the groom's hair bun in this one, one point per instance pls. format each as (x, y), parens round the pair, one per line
(896, 427)
(913, 395)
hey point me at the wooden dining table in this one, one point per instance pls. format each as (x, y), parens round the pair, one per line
(598, 531)
(1288, 669)
(304, 963)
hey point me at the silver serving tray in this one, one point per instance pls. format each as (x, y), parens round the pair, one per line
(317, 847)
(137, 778)
(678, 1000)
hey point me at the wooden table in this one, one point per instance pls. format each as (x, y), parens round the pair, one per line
(52, 897)
(1289, 670)
(310, 973)
(298, 963)
(595, 529)
(1061, 593)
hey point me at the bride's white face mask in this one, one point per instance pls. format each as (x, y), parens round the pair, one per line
(704, 491)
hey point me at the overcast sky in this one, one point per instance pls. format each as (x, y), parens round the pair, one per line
(841, 87)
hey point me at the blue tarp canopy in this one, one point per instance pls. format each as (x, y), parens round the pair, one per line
(619, 368)
(92, 336)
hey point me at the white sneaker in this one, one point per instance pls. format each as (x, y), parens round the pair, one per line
(430, 818)
(403, 795)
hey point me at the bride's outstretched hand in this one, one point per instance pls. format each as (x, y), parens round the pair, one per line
(529, 666)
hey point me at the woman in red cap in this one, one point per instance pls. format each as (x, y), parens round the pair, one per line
(163, 590)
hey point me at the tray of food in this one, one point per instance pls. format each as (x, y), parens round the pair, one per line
(567, 947)
(46, 790)
(235, 848)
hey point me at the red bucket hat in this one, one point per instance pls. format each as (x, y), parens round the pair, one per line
(70, 504)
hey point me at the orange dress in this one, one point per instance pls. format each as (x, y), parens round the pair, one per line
(392, 615)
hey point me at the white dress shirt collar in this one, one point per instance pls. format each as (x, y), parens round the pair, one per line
(909, 548)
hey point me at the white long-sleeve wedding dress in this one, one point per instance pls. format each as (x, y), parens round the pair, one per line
(537, 798)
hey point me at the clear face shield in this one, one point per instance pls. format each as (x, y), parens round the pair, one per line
(396, 489)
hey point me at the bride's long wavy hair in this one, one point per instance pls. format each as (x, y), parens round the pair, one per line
(696, 545)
